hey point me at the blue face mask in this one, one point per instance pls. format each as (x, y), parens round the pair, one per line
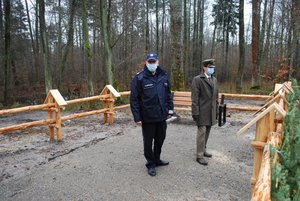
(210, 71)
(151, 67)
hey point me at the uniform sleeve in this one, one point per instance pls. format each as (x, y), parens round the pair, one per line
(195, 97)
(135, 99)
(170, 98)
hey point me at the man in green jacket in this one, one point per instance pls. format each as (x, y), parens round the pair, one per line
(204, 103)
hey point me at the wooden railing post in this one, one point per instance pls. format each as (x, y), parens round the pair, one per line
(59, 103)
(108, 103)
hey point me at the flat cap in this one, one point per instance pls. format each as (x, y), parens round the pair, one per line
(208, 61)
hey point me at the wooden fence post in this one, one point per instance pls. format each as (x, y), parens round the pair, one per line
(55, 97)
(108, 103)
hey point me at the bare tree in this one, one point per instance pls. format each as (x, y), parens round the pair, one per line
(1, 42)
(255, 80)
(240, 72)
(45, 48)
(163, 25)
(33, 46)
(147, 27)
(105, 25)
(176, 47)
(70, 36)
(266, 50)
(295, 56)
(87, 47)
(8, 93)
(157, 25)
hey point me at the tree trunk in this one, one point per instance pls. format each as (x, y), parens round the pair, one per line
(37, 41)
(157, 26)
(45, 48)
(70, 36)
(255, 38)
(59, 43)
(185, 42)
(195, 60)
(176, 24)
(201, 27)
(213, 42)
(87, 48)
(262, 39)
(163, 25)
(266, 53)
(1, 47)
(295, 56)
(1, 21)
(8, 90)
(240, 72)
(147, 27)
(105, 26)
(34, 56)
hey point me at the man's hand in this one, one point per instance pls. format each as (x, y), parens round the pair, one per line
(195, 117)
(139, 123)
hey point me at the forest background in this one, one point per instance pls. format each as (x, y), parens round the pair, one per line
(79, 46)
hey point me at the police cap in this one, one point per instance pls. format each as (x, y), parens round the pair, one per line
(208, 61)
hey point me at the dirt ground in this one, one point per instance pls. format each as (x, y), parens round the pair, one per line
(98, 161)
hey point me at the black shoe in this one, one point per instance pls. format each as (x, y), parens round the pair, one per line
(162, 163)
(152, 172)
(202, 161)
(207, 155)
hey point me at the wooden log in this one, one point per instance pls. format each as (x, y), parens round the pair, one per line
(58, 124)
(258, 144)
(182, 93)
(83, 114)
(262, 189)
(124, 93)
(180, 98)
(26, 109)
(264, 126)
(245, 96)
(182, 103)
(51, 128)
(242, 108)
(228, 107)
(27, 125)
(182, 108)
(122, 107)
(87, 99)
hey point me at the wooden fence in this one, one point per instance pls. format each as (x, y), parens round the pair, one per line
(54, 103)
(269, 123)
(269, 130)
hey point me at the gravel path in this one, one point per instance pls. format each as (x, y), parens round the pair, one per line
(101, 162)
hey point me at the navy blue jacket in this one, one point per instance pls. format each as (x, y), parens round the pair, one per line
(150, 97)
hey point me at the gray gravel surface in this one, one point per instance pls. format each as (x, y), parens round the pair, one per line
(106, 162)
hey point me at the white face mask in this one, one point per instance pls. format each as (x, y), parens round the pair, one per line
(210, 71)
(151, 67)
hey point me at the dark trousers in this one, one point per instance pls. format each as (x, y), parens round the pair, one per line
(157, 132)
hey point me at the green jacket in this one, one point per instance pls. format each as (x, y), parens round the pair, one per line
(204, 100)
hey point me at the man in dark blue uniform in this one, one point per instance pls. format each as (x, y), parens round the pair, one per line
(151, 102)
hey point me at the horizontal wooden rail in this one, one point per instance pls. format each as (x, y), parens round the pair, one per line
(27, 125)
(227, 95)
(50, 121)
(93, 98)
(26, 109)
(55, 102)
(182, 100)
(246, 96)
(83, 114)
(228, 107)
